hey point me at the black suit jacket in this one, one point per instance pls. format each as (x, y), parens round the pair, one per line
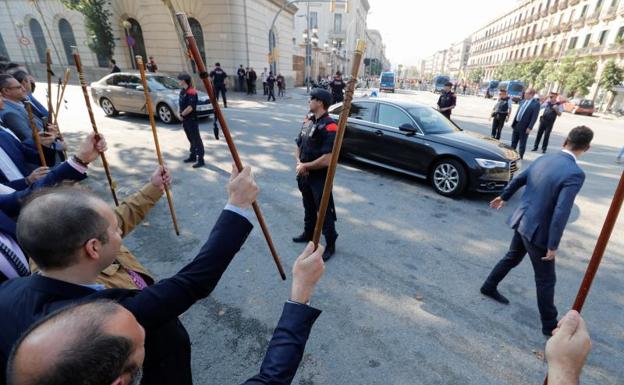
(25, 300)
(528, 118)
(24, 155)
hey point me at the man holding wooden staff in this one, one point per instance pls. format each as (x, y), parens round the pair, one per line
(313, 154)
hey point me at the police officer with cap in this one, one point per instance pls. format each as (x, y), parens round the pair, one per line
(218, 77)
(447, 100)
(337, 86)
(313, 154)
(188, 112)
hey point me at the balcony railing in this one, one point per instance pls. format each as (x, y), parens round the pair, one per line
(553, 9)
(566, 27)
(615, 48)
(535, 17)
(546, 32)
(610, 14)
(574, 2)
(593, 18)
(563, 4)
(338, 34)
(580, 22)
(544, 13)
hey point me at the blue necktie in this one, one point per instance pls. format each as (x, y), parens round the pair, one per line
(523, 109)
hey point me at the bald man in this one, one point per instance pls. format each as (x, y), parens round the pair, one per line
(61, 348)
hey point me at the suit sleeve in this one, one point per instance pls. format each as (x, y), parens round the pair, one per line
(135, 208)
(515, 184)
(287, 346)
(31, 154)
(167, 299)
(534, 116)
(17, 125)
(565, 201)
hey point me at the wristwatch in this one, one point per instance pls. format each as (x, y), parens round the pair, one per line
(80, 161)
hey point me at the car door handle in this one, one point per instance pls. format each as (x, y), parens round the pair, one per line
(379, 133)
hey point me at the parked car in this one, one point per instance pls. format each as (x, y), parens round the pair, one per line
(417, 140)
(123, 92)
(579, 106)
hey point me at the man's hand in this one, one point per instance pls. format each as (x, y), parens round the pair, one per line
(47, 138)
(497, 203)
(91, 148)
(37, 174)
(528, 131)
(52, 129)
(161, 178)
(242, 189)
(567, 350)
(550, 255)
(307, 271)
(301, 169)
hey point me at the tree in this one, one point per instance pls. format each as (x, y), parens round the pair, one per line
(583, 77)
(532, 71)
(99, 31)
(546, 75)
(611, 76)
(476, 75)
(502, 72)
(562, 73)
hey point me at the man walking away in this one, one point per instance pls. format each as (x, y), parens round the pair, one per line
(524, 121)
(264, 76)
(271, 86)
(552, 109)
(188, 112)
(551, 185)
(281, 85)
(218, 77)
(447, 101)
(500, 113)
(241, 78)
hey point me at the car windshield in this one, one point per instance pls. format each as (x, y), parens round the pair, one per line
(387, 78)
(516, 88)
(431, 121)
(586, 103)
(162, 83)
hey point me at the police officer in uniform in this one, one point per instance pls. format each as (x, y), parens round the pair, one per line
(337, 85)
(218, 76)
(313, 154)
(188, 112)
(500, 113)
(447, 100)
(552, 109)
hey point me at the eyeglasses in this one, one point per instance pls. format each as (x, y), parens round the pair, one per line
(13, 88)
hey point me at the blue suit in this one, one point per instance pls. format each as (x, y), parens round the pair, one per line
(167, 347)
(25, 157)
(551, 184)
(15, 118)
(523, 122)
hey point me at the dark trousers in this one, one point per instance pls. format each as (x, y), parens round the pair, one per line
(264, 86)
(280, 91)
(519, 138)
(249, 87)
(271, 93)
(545, 129)
(545, 277)
(191, 129)
(220, 89)
(497, 125)
(447, 114)
(311, 188)
(241, 84)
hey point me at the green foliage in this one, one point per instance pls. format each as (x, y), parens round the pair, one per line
(546, 75)
(611, 76)
(532, 70)
(582, 78)
(476, 75)
(100, 34)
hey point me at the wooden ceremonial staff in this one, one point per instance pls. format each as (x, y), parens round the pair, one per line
(85, 93)
(194, 51)
(150, 112)
(51, 113)
(342, 124)
(601, 245)
(35, 133)
(62, 95)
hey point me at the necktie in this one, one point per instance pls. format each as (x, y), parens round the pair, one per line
(14, 260)
(523, 109)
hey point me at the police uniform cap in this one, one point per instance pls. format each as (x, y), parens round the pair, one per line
(185, 77)
(322, 95)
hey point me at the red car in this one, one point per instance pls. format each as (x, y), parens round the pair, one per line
(579, 106)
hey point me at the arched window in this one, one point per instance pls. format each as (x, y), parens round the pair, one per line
(3, 49)
(67, 37)
(134, 39)
(198, 34)
(38, 37)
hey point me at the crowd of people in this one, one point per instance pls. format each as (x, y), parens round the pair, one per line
(79, 308)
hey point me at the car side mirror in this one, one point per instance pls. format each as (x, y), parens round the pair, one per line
(407, 128)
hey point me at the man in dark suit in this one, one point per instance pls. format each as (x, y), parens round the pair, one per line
(20, 164)
(551, 184)
(70, 258)
(524, 121)
(106, 333)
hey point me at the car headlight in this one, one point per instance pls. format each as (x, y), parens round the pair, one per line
(488, 163)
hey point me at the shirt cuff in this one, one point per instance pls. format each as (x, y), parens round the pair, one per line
(246, 213)
(298, 303)
(76, 166)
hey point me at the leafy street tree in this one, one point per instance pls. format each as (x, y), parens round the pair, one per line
(611, 76)
(582, 78)
(97, 23)
(476, 75)
(532, 71)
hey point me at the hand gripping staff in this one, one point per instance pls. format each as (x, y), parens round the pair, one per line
(601, 245)
(194, 51)
(83, 85)
(342, 124)
(150, 112)
(51, 110)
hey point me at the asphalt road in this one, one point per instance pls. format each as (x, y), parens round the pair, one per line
(400, 299)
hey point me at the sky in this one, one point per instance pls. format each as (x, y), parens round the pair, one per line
(414, 29)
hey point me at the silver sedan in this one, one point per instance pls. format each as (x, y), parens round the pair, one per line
(123, 92)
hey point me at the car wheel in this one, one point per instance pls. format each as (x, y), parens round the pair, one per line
(448, 177)
(165, 114)
(108, 107)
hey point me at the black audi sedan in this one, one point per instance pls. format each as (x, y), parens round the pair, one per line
(416, 139)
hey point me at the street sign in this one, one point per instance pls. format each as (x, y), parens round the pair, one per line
(24, 40)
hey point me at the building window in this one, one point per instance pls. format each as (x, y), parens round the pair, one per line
(587, 39)
(598, 5)
(584, 11)
(68, 39)
(535, 51)
(40, 43)
(620, 35)
(134, 39)
(614, 3)
(603, 37)
(573, 43)
(314, 19)
(522, 53)
(3, 49)
(338, 22)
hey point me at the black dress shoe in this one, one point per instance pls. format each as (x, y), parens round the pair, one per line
(543, 151)
(302, 238)
(495, 295)
(534, 149)
(190, 159)
(200, 163)
(329, 252)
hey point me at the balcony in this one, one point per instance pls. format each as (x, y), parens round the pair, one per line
(621, 10)
(610, 14)
(546, 32)
(593, 18)
(544, 13)
(563, 4)
(579, 23)
(338, 35)
(566, 27)
(614, 48)
(555, 29)
(553, 9)
(574, 2)
(535, 17)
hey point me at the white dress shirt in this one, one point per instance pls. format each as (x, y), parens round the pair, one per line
(8, 167)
